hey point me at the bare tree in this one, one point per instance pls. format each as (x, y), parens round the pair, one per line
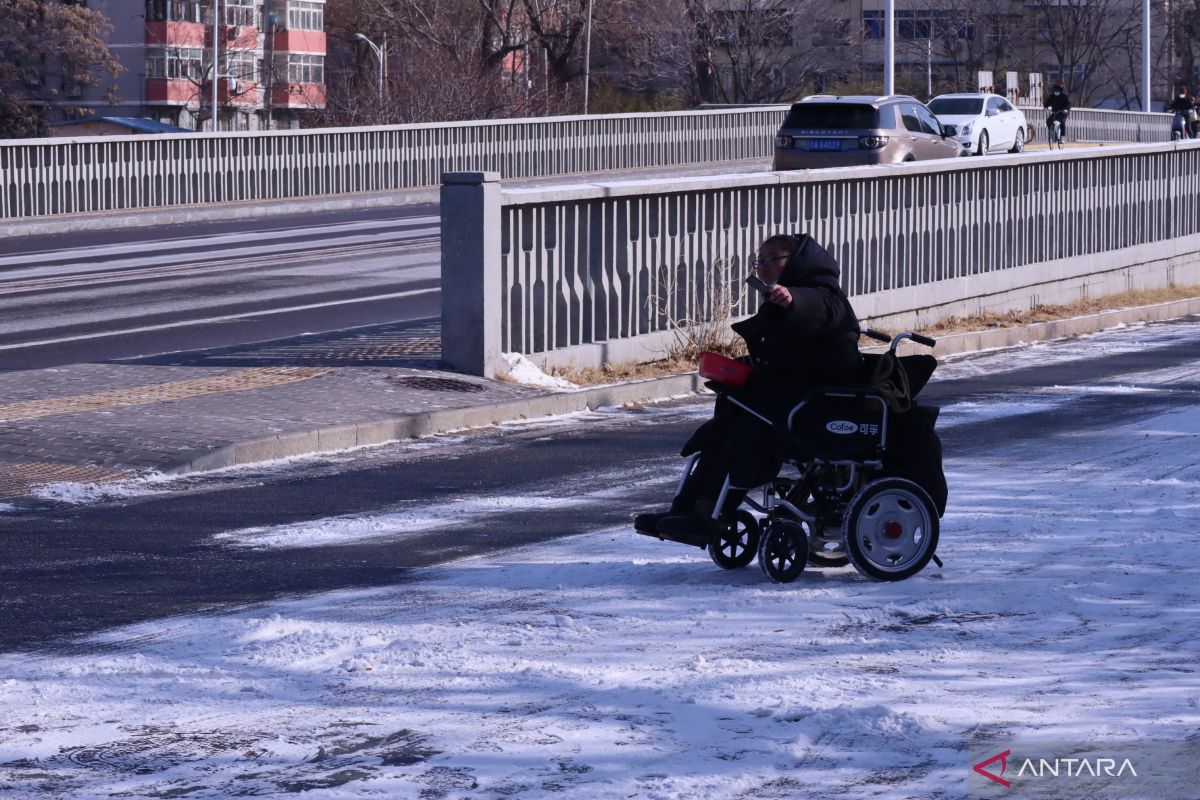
(1079, 37)
(762, 51)
(455, 59)
(731, 51)
(1184, 28)
(958, 40)
(49, 50)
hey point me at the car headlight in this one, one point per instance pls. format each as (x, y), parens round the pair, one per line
(965, 130)
(872, 142)
(784, 142)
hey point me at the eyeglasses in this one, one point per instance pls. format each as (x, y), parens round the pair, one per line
(762, 262)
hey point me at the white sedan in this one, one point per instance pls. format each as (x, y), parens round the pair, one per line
(981, 123)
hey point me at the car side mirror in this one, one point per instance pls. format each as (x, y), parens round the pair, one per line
(991, 112)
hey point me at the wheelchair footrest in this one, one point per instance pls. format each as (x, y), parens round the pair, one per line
(695, 540)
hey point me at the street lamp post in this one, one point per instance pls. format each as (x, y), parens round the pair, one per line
(587, 57)
(215, 60)
(1146, 55)
(889, 48)
(379, 57)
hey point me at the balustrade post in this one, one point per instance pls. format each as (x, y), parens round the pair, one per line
(470, 208)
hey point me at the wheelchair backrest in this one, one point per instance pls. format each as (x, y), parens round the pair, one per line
(842, 425)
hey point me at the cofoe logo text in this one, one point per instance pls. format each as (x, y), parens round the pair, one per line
(842, 427)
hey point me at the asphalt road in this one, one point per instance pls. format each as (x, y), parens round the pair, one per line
(140, 291)
(100, 295)
(71, 570)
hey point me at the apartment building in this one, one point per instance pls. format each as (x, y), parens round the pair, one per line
(270, 57)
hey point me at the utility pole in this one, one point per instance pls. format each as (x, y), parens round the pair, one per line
(587, 57)
(929, 67)
(889, 48)
(1146, 55)
(215, 59)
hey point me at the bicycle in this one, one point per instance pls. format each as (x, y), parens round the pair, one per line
(1054, 124)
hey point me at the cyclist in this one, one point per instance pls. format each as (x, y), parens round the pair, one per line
(1184, 103)
(1059, 106)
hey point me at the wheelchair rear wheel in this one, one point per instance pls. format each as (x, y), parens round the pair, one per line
(735, 541)
(783, 550)
(890, 529)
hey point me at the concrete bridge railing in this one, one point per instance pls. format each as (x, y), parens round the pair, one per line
(63, 176)
(590, 273)
(1102, 125)
(66, 176)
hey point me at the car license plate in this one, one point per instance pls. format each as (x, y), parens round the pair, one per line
(825, 144)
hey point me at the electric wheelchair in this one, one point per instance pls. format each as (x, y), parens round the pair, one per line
(861, 483)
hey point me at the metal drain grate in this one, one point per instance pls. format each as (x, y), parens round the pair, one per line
(429, 384)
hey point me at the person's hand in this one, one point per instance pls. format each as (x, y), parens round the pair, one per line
(780, 296)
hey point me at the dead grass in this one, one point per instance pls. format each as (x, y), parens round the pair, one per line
(685, 361)
(1046, 313)
(619, 373)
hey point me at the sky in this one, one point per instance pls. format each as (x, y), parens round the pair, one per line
(611, 665)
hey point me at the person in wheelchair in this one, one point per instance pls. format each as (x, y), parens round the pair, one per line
(804, 335)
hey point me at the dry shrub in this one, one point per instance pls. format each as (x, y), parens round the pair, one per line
(699, 313)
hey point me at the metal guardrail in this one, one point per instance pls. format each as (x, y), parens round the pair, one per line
(41, 177)
(63, 176)
(563, 271)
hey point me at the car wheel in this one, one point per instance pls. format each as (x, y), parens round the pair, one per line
(1019, 142)
(984, 144)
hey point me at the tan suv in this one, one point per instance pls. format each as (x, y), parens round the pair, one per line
(825, 131)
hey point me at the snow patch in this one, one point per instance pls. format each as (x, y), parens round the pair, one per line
(523, 371)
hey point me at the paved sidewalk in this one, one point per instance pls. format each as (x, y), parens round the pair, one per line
(216, 408)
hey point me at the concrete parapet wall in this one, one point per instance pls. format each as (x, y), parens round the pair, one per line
(40, 177)
(588, 271)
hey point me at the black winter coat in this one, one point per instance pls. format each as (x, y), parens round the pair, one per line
(1182, 104)
(813, 341)
(1058, 102)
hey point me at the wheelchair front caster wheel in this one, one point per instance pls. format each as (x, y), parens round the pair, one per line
(735, 541)
(783, 550)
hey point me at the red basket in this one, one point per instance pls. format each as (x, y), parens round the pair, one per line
(725, 371)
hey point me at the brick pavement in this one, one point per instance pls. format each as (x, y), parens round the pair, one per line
(93, 422)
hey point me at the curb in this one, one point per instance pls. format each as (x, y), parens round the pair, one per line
(342, 437)
(404, 427)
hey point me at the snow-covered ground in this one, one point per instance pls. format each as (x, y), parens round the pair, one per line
(615, 666)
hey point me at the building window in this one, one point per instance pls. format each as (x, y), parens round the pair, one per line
(1067, 76)
(919, 24)
(873, 24)
(305, 16)
(242, 66)
(242, 13)
(175, 11)
(175, 62)
(301, 68)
